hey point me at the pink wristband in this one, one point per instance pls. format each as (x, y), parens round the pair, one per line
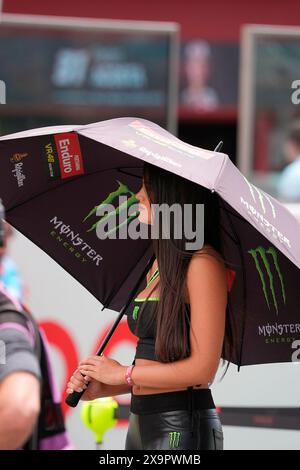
(128, 375)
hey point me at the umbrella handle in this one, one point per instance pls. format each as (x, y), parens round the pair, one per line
(73, 398)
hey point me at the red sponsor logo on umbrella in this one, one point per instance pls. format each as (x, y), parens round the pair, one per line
(69, 154)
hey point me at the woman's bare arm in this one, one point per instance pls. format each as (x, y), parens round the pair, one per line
(95, 389)
(109, 390)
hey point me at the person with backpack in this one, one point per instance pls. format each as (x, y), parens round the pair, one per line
(30, 412)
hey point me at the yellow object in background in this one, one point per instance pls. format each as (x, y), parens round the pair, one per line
(99, 416)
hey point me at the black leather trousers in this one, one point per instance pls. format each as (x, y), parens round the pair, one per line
(175, 430)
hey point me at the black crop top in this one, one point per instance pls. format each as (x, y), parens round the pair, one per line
(147, 329)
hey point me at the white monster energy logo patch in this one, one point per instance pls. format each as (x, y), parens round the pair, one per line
(174, 438)
(260, 254)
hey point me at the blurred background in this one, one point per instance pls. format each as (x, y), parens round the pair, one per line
(206, 71)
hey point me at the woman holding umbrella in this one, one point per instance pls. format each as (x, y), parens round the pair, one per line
(182, 324)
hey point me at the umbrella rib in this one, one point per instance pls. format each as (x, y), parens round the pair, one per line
(130, 174)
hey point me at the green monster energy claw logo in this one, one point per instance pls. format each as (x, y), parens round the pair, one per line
(122, 189)
(260, 250)
(135, 312)
(174, 439)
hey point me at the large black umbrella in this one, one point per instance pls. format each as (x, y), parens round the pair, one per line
(55, 182)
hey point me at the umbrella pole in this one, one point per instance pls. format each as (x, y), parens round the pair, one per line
(73, 398)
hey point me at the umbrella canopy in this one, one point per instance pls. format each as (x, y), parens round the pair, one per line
(54, 181)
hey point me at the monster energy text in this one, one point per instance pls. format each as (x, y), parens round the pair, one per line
(74, 244)
(274, 332)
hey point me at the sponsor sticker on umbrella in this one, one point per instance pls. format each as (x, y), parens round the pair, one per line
(63, 156)
(69, 154)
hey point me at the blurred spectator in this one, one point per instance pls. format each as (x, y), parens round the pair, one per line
(197, 69)
(9, 273)
(30, 412)
(289, 180)
(20, 377)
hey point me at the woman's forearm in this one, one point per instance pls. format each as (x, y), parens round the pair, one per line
(182, 373)
(113, 390)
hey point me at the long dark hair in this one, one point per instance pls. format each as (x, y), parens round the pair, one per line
(173, 260)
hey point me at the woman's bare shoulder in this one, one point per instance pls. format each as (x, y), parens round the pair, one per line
(206, 262)
(210, 251)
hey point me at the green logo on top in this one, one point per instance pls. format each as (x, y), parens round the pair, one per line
(174, 438)
(268, 259)
(122, 190)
